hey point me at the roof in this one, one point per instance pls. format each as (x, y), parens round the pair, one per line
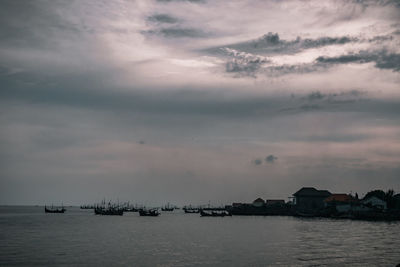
(312, 192)
(373, 198)
(339, 198)
(275, 201)
(259, 200)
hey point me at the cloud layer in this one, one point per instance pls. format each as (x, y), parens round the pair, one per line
(188, 101)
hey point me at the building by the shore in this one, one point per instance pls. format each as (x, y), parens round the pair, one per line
(310, 199)
(261, 207)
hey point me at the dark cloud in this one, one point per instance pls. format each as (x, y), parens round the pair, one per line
(271, 159)
(284, 69)
(177, 32)
(244, 64)
(372, 3)
(340, 97)
(163, 18)
(247, 58)
(182, 32)
(381, 38)
(315, 96)
(383, 59)
(324, 41)
(269, 39)
(317, 100)
(88, 91)
(271, 43)
(252, 65)
(278, 45)
(257, 162)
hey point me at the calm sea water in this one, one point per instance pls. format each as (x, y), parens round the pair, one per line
(29, 237)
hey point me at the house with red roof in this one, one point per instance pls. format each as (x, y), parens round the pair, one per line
(341, 202)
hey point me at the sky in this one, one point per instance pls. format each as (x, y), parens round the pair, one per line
(197, 101)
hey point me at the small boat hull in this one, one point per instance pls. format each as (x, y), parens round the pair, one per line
(151, 213)
(101, 211)
(214, 214)
(52, 210)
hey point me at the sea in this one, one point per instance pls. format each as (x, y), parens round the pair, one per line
(30, 237)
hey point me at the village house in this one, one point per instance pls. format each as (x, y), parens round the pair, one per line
(396, 200)
(275, 202)
(342, 203)
(310, 199)
(375, 202)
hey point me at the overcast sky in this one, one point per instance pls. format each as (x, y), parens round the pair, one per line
(197, 101)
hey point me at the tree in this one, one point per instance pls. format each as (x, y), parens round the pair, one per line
(376, 193)
(390, 201)
(388, 196)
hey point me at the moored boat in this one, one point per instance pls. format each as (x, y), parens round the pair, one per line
(54, 210)
(108, 211)
(214, 214)
(191, 210)
(167, 208)
(150, 212)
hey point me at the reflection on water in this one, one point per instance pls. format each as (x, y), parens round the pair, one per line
(28, 236)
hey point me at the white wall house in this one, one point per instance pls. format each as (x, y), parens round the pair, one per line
(375, 202)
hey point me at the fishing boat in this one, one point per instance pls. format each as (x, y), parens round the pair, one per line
(127, 207)
(150, 212)
(52, 209)
(130, 209)
(108, 211)
(214, 214)
(191, 210)
(167, 208)
(87, 207)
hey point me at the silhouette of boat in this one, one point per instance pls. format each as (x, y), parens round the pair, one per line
(54, 210)
(214, 214)
(87, 207)
(191, 210)
(108, 211)
(130, 209)
(151, 212)
(167, 208)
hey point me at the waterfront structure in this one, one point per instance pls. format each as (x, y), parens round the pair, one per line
(341, 203)
(260, 207)
(259, 202)
(375, 202)
(310, 199)
(396, 200)
(149, 212)
(275, 202)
